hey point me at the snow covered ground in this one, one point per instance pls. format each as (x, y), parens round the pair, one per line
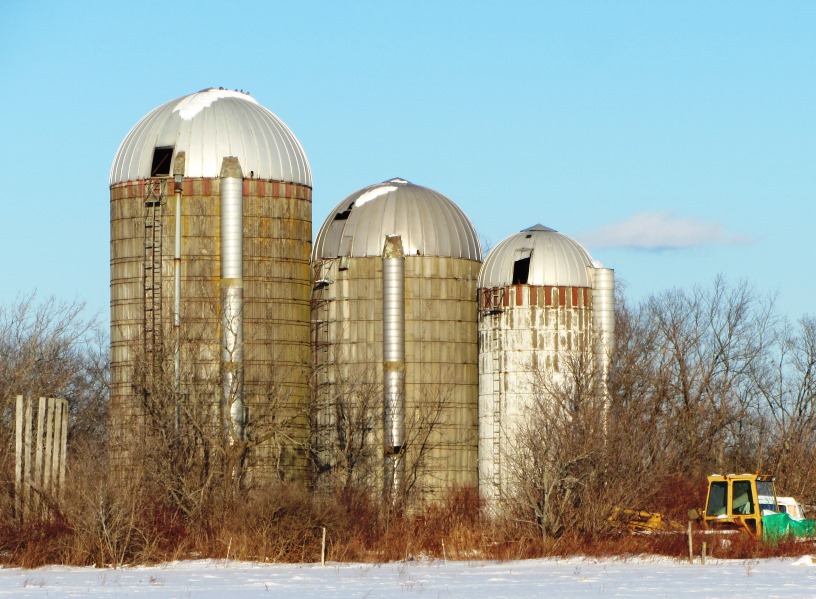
(558, 578)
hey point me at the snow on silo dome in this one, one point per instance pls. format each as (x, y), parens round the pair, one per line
(208, 126)
(429, 223)
(554, 259)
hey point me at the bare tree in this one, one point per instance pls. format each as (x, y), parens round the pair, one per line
(346, 418)
(428, 438)
(50, 348)
(683, 402)
(557, 456)
(347, 424)
(703, 350)
(199, 442)
(786, 382)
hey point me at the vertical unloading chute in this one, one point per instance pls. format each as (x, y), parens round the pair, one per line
(603, 323)
(394, 363)
(232, 298)
(178, 190)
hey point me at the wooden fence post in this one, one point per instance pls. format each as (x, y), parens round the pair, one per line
(691, 544)
(18, 459)
(27, 448)
(63, 446)
(38, 456)
(39, 462)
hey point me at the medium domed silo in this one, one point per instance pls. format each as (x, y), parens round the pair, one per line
(395, 342)
(210, 282)
(541, 298)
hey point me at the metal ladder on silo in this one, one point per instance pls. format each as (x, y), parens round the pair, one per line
(320, 320)
(152, 271)
(321, 354)
(497, 405)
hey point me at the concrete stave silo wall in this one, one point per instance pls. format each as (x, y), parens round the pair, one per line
(525, 334)
(276, 280)
(441, 370)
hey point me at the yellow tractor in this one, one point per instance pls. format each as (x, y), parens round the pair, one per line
(748, 502)
(735, 502)
(738, 501)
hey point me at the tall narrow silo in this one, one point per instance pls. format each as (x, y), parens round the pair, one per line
(395, 342)
(210, 244)
(542, 299)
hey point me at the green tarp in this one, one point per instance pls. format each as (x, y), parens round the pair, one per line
(776, 527)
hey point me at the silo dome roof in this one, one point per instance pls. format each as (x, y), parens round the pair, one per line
(429, 223)
(208, 126)
(554, 259)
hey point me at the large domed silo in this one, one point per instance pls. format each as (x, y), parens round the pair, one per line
(541, 298)
(395, 341)
(210, 246)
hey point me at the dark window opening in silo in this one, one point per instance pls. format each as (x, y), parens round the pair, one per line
(162, 158)
(521, 271)
(345, 214)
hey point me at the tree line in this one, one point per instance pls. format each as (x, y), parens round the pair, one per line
(702, 380)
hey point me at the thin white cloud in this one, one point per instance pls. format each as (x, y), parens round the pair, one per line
(661, 231)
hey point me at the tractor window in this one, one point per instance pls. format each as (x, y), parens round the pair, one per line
(743, 502)
(717, 498)
(766, 495)
(766, 492)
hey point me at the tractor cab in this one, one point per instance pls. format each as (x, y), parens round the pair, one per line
(738, 501)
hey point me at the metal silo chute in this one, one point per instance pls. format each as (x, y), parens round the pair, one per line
(394, 363)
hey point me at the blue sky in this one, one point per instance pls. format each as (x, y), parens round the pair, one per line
(675, 139)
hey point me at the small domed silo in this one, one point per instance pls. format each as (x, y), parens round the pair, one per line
(210, 282)
(541, 298)
(395, 342)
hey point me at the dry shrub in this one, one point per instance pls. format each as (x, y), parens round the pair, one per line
(509, 538)
(109, 521)
(630, 544)
(451, 528)
(459, 522)
(105, 519)
(281, 524)
(676, 494)
(355, 525)
(35, 543)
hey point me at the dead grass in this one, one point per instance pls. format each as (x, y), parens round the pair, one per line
(113, 526)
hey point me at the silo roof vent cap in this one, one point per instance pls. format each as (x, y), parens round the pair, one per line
(539, 227)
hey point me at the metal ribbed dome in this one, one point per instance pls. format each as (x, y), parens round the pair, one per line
(555, 259)
(429, 223)
(208, 126)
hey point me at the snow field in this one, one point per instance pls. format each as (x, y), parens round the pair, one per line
(558, 578)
